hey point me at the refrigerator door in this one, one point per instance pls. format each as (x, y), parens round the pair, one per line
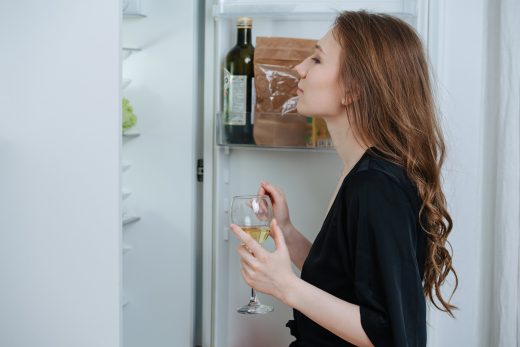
(159, 270)
(60, 218)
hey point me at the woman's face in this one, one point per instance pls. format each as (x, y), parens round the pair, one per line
(319, 90)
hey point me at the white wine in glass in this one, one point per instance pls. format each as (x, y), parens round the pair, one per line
(260, 234)
(253, 213)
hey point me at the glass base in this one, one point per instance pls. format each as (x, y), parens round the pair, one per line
(255, 307)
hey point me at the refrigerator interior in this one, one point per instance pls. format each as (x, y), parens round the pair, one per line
(307, 176)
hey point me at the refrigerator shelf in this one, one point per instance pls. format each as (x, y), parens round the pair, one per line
(130, 220)
(128, 136)
(126, 194)
(228, 147)
(308, 9)
(223, 143)
(127, 248)
(125, 166)
(128, 51)
(126, 82)
(133, 15)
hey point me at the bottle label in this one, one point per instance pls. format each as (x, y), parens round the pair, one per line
(235, 98)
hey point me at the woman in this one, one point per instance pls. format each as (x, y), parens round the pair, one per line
(381, 251)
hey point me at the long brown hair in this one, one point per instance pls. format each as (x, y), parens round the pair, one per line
(384, 65)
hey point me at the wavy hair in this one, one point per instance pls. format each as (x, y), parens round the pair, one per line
(384, 65)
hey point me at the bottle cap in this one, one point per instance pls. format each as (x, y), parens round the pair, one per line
(245, 22)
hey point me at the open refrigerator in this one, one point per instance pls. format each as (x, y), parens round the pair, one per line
(308, 176)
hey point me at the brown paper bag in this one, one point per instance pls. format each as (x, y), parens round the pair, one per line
(277, 122)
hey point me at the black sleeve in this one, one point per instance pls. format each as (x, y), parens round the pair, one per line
(386, 274)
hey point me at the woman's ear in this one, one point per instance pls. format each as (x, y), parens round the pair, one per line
(349, 98)
(351, 95)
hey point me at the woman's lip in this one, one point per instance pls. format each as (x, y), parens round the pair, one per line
(299, 90)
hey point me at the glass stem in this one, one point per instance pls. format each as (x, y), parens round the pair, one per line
(253, 295)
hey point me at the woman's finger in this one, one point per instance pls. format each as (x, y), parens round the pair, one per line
(268, 189)
(277, 235)
(274, 192)
(261, 190)
(246, 256)
(246, 276)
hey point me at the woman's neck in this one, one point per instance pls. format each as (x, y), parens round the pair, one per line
(348, 148)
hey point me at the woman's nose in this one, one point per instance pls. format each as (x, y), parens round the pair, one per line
(300, 69)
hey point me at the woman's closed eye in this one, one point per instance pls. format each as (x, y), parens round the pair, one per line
(316, 60)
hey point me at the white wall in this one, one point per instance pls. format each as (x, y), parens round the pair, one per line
(460, 67)
(59, 173)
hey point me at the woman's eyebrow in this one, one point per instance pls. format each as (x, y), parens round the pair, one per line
(318, 47)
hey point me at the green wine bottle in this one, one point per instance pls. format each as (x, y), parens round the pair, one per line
(239, 89)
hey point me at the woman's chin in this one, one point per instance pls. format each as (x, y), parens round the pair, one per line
(301, 110)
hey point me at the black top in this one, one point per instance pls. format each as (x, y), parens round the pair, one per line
(370, 252)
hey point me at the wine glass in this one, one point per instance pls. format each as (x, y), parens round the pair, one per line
(253, 213)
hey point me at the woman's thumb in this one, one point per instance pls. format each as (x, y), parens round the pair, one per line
(277, 235)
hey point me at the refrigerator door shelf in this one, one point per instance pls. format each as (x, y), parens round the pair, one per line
(127, 248)
(126, 194)
(125, 166)
(128, 51)
(133, 15)
(126, 82)
(130, 220)
(131, 7)
(128, 136)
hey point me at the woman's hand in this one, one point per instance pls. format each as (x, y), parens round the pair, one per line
(267, 272)
(280, 208)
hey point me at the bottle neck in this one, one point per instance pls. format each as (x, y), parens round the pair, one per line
(243, 36)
